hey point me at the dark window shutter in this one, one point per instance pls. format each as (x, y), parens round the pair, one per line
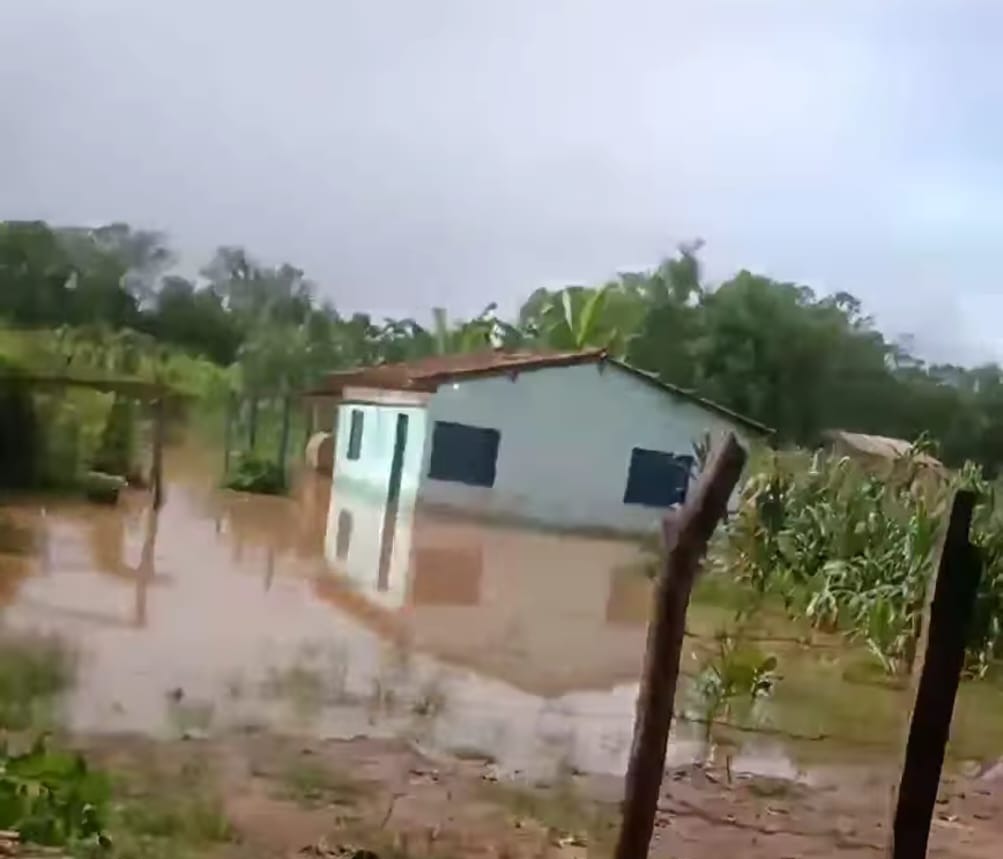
(464, 454)
(656, 478)
(355, 434)
(343, 540)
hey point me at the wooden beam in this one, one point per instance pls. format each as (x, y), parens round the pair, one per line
(686, 536)
(937, 673)
(133, 388)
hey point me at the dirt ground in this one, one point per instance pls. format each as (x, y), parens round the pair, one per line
(280, 797)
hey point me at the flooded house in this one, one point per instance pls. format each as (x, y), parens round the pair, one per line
(573, 440)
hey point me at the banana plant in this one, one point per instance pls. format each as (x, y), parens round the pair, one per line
(575, 318)
(484, 331)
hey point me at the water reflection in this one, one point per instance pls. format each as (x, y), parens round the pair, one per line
(549, 614)
(300, 614)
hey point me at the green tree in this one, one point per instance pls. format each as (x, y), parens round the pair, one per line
(195, 319)
(669, 331)
(35, 273)
(251, 291)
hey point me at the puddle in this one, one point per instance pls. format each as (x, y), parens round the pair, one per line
(307, 616)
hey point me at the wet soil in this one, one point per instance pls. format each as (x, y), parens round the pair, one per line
(389, 797)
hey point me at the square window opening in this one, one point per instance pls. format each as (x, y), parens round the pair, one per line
(656, 478)
(355, 434)
(464, 454)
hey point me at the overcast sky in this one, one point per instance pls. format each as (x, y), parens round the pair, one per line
(409, 153)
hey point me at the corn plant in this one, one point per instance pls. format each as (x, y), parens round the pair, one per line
(732, 680)
(852, 551)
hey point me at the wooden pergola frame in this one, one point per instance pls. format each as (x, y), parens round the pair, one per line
(155, 393)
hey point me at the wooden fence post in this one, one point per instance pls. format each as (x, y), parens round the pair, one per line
(686, 538)
(158, 450)
(940, 660)
(284, 434)
(227, 433)
(146, 571)
(252, 424)
(308, 417)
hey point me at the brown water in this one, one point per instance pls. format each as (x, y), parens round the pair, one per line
(237, 611)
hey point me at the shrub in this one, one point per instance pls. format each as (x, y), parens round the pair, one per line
(103, 488)
(117, 449)
(253, 474)
(19, 436)
(731, 682)
(52, 798)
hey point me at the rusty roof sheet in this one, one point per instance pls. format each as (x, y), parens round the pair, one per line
(426, 374)
(881, 446)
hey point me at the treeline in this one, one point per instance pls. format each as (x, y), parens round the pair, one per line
(775, 351)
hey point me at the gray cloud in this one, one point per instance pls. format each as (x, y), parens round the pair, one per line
(417, 153)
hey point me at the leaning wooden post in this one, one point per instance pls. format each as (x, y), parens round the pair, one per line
(940, 660)
(146, 571)
(158, 449)
(686, 537)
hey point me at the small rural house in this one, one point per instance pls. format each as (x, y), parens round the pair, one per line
(877, 452)
(566, 440)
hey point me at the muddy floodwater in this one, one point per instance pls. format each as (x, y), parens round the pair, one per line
(244, 612)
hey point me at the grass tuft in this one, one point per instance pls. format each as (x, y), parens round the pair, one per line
(312, 784)
(563, 811)
(34, 671)
(168, 812)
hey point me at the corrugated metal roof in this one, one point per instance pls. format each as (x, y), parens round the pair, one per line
(878, 445)
(426, 374)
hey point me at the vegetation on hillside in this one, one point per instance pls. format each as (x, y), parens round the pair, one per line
(775, 351)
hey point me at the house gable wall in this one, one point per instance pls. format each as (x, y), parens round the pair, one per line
(567, 435)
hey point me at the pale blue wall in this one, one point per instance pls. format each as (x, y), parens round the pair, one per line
(362, 562)
(360, 488)
(370, 473)
(566, 440)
